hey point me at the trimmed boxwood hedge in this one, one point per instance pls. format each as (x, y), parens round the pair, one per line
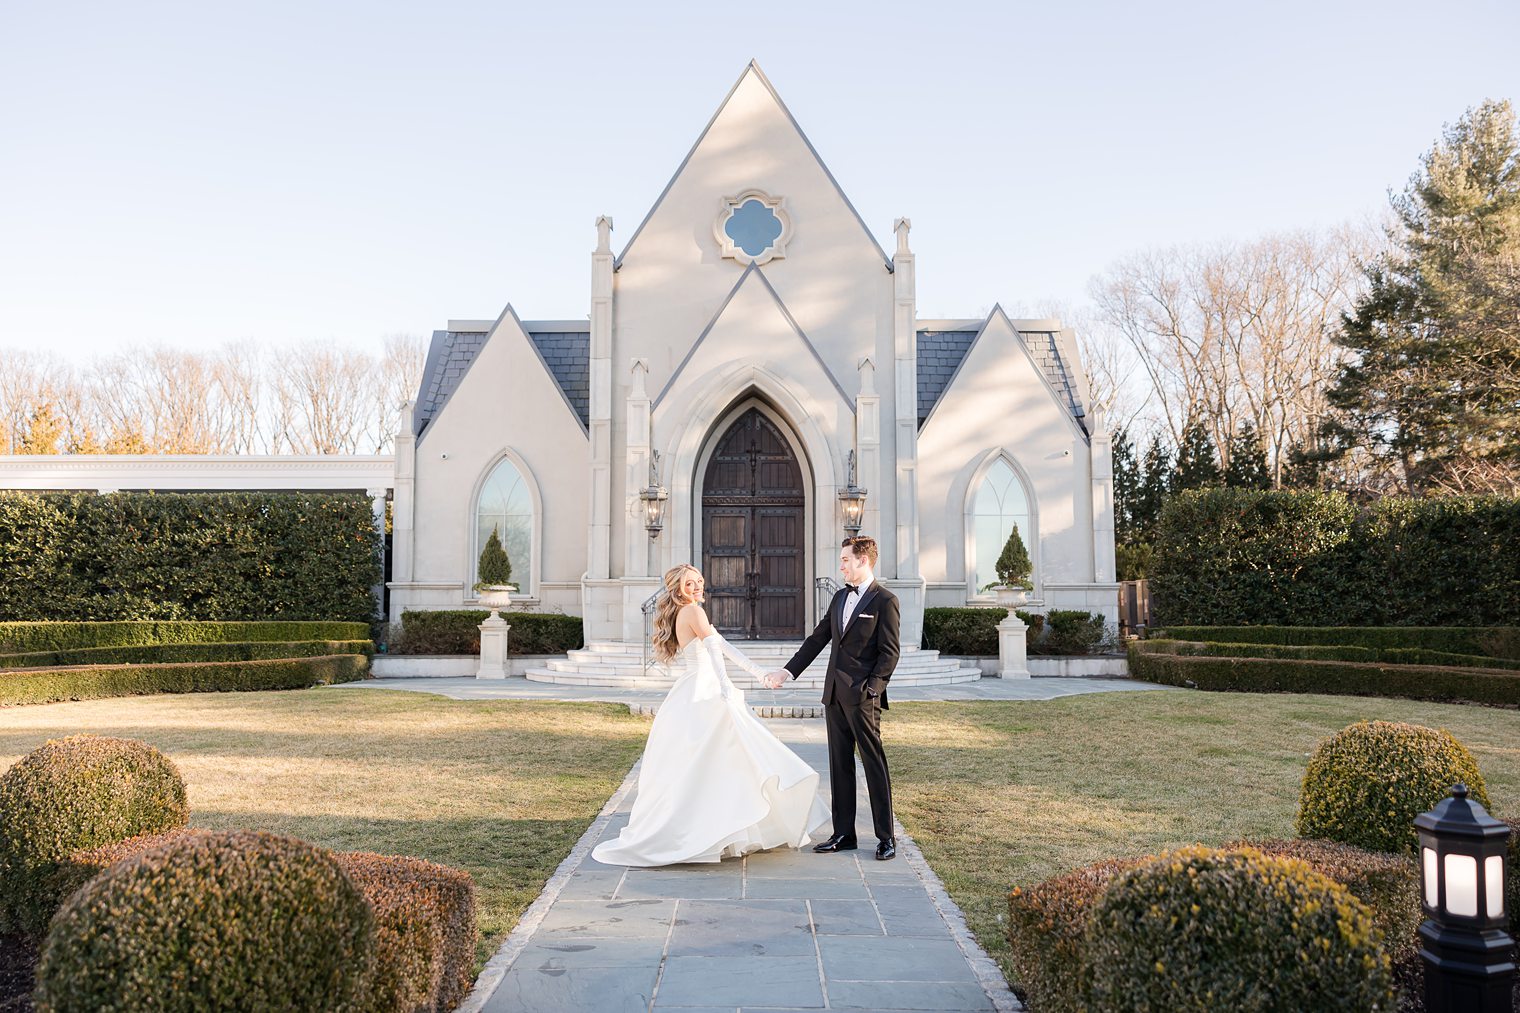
(69, 794)
(1160, 661)
(424, 919)
(1311, 558)
(1365, 784)
(79, 867)
(238, 920)
(1328, 652)
(425, 930)
(49, 685)
(457, 631)
(220, 556)
(26, 637)
(1205, 929)
(972, 632)
(1488, 641)
(1047, 925)
(1047, 922)
(257, 650)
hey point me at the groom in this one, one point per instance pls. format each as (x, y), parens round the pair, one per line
(861, 631)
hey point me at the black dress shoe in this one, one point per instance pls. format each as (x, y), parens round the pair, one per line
(838, 842)
(886, 849)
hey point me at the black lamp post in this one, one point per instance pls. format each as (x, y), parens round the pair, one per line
(654, 497)
(852, 500)
(1469, 957)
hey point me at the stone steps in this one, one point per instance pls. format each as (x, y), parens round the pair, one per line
(612, 664)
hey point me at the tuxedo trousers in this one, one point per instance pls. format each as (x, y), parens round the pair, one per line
(851, 728)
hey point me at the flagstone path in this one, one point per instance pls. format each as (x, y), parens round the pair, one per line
(779, 931)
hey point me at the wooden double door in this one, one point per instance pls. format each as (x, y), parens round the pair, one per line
(754, 533)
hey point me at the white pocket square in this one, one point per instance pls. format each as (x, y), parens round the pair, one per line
(866, 615)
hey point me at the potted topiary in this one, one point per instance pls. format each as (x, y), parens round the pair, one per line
(495, 571)
(1013, 570)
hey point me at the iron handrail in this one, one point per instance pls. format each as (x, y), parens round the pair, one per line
(650, 604)
(830, 585)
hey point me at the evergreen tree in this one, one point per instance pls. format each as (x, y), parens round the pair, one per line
(1305, 467)
(1155, 484)
(1126, 486)
(1197, 466)
(1013, 565)
(1434, 383)
(495, 568)
(1248, 461)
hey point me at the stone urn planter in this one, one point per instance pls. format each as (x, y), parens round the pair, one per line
(496, 597)
(1011, 596)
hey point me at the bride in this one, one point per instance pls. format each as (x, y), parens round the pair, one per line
(715, 782)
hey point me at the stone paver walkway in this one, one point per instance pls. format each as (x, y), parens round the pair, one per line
(778, 931)
(645, 700)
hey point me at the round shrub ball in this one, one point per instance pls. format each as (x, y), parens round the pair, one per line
(232, 920)
(1366, 783)
(70, 794)
(1206, 929)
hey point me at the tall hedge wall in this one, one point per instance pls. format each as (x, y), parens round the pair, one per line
(208, 556)
(1228, 557)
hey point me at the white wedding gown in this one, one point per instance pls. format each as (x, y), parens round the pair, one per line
(715, 782)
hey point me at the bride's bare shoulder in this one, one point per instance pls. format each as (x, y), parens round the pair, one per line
(693, 617)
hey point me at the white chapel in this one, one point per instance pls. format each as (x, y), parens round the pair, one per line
(752, 383)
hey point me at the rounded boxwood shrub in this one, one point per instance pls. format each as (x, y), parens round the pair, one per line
(1047, 923)
(1366, 783)
(425, 930)
(1206, 929)
(71, 794)
(235, 920)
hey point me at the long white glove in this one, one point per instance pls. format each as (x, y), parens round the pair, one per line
(716, 648)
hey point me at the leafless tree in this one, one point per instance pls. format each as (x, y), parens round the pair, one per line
(1230, 334)
(29, 380)
(331, 389)
(400, 374)
(239, 399)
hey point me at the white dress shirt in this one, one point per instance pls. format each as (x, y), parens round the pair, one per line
(851, 603)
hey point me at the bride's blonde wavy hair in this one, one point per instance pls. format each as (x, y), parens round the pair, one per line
(665, 611)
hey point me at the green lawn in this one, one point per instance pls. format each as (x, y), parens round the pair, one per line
(503, 790)
(1007, 794)
(996, 794)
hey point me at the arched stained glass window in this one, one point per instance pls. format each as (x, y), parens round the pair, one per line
(1000, 504)
(506, 506)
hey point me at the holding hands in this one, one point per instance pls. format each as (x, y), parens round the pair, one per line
(774, 680)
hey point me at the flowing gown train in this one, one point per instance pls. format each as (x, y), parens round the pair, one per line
(715, 782)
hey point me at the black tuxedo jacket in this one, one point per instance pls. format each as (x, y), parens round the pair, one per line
(863, 655)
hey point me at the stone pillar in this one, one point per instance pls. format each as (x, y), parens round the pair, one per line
(1102, 451)
(905, 346)
(493, 648)
(867, 453)
(403, 502)
(599, 548)
(636, 472)
(1013, 657)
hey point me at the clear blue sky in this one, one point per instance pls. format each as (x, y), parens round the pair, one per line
(195, 173)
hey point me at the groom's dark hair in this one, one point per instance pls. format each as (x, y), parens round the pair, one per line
(862, 546)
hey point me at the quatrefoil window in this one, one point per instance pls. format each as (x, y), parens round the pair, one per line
(753, 227)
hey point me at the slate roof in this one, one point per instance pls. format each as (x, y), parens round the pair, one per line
(449, 355)
(567, 353)
(940, 354)
(1047, 352)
